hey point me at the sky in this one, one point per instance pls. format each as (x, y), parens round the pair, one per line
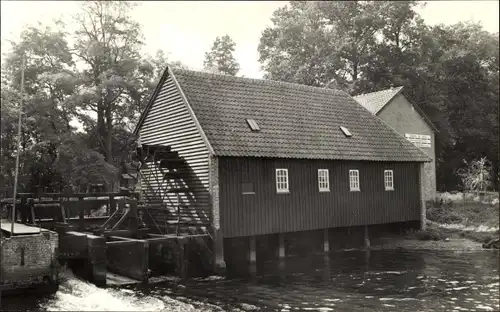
(185, 30)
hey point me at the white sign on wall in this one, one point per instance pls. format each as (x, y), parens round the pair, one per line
(420, 140)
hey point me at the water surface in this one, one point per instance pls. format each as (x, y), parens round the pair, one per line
(382, 280)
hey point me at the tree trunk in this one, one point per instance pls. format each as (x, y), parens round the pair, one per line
(101, 131)
(109, 136)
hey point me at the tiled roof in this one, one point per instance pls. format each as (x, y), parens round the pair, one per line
(375, 101)
(296, 121)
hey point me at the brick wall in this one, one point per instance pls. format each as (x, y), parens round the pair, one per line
(214, 191)
(39, 251)
(400, 115)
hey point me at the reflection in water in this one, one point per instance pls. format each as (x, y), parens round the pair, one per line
(344, 281)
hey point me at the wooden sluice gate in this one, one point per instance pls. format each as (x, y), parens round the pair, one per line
(119, 247)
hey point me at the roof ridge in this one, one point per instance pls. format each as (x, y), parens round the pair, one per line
(260, 81)
(396, 89)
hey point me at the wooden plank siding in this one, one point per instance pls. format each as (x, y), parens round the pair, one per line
(305, 208)
(169, 123)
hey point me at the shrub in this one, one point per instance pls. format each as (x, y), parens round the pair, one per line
(430, 233)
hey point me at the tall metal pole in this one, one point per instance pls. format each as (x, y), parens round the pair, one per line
(18, 148)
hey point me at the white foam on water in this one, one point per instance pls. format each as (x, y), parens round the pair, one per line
(77, 295)
(461, 288)
(335, 300)
(395, 272)
(493, 284)
(210, 278)
(398, 299)
(484, 307)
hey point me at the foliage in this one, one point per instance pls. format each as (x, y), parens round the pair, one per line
(476, 175)
(100, 80)
(451, 72)
(220, 59)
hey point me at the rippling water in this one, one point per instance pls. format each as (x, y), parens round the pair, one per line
(382, 280)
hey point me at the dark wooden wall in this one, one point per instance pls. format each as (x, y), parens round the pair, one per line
(305, 208)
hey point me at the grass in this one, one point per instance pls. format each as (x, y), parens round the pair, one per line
(453, 217)
(469, 213)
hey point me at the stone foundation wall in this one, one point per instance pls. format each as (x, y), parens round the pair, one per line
(38, 252)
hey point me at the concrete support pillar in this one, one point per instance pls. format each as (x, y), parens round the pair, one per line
(218, 253)
(367, 259)
(281, 246)
(97, 259)
(182, 262)
(326, 241)
(423, 220)
(253, 255)
(145, 262)
(326, 261)
(367, 237)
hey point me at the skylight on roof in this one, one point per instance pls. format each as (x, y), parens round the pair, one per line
(253, 125)
(346, 131)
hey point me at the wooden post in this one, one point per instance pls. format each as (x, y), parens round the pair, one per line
(112, 204)
(32, 208)
(81, 213)
(367, 237)
(63, 212)
(326, 242)
(281, 246)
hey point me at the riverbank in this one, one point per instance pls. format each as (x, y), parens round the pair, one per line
(455, 219)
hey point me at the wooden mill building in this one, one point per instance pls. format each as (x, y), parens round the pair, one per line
(264, 158)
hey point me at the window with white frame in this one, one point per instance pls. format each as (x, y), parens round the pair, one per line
(389, 180)
(282, 180)
(323, 180)
(354, 180)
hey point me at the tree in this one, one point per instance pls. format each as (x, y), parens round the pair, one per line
(320, 43)
(113, 81)
(48, 84)
(476, 175)
(107, 43)
(451, 72)
(220, 58)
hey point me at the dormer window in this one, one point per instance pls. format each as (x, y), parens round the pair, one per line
(253, 125)
(346, 131)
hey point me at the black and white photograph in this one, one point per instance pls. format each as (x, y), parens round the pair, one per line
(249, 156)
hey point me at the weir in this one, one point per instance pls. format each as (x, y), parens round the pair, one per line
(116, 249)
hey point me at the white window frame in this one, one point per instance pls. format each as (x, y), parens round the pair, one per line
(323, 180)
(354, 183)
(389, 180)
(282, 181)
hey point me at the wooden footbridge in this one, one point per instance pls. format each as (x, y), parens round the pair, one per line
(148, 228)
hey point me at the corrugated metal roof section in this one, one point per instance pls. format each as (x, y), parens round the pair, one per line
(375, 101)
